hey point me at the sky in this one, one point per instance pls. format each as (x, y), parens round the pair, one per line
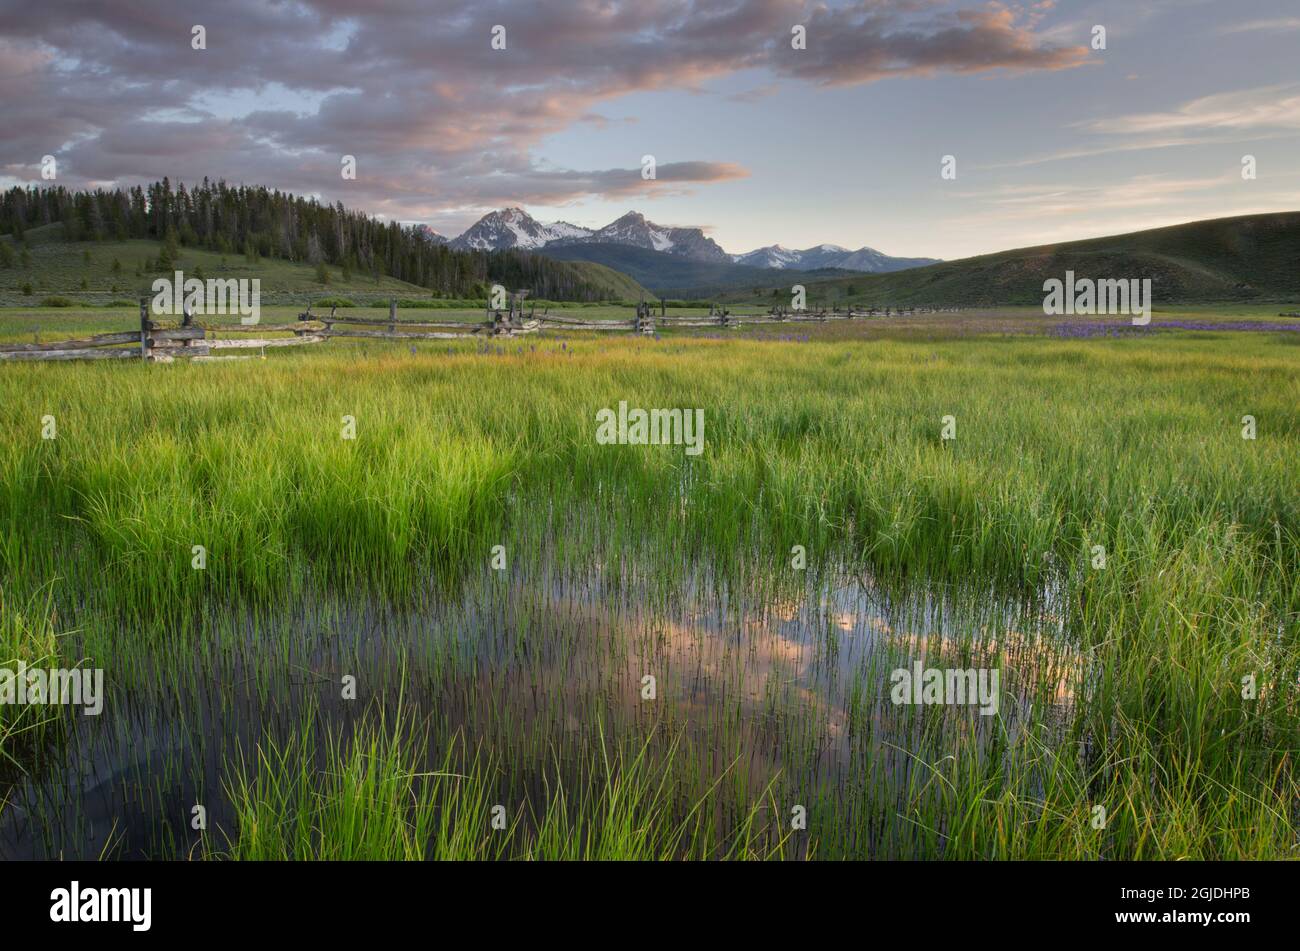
(842, 141)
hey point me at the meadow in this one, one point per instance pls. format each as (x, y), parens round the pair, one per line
(433, 640)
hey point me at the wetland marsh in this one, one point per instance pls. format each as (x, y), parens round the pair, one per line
(433, 640)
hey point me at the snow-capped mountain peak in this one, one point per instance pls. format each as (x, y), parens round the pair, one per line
(562, 229)
(513, 228)
(772, 256)
(633, 229)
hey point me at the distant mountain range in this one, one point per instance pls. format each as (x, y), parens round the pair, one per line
(864, 259)
(679, 276)
(515, 228)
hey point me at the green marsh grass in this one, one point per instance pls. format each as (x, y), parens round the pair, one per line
(27, 637)
(326, 555)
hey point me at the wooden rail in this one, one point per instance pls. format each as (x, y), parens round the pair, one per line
(75, 354)
(270, 342)
(99, 340)
(301, 325)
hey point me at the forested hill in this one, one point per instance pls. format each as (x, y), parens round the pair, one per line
(258, 222)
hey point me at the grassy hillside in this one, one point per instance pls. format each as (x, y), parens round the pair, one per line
(621, 286)
(100, 271)
(1247, 258)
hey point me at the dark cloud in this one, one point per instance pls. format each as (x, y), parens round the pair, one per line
(439, 122)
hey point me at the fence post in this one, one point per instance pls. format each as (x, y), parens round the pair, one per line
(645, 321)
(392, 315)
(144, 328)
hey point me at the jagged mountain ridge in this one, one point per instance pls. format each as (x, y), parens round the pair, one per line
(514, 228)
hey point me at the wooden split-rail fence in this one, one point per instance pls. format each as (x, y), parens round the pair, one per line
(498, 323)
(162, 343)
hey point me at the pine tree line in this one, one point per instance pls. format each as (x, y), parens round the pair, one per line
(259, 222)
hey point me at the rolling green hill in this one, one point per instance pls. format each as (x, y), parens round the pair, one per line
(1246, 258)
(99, 271)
